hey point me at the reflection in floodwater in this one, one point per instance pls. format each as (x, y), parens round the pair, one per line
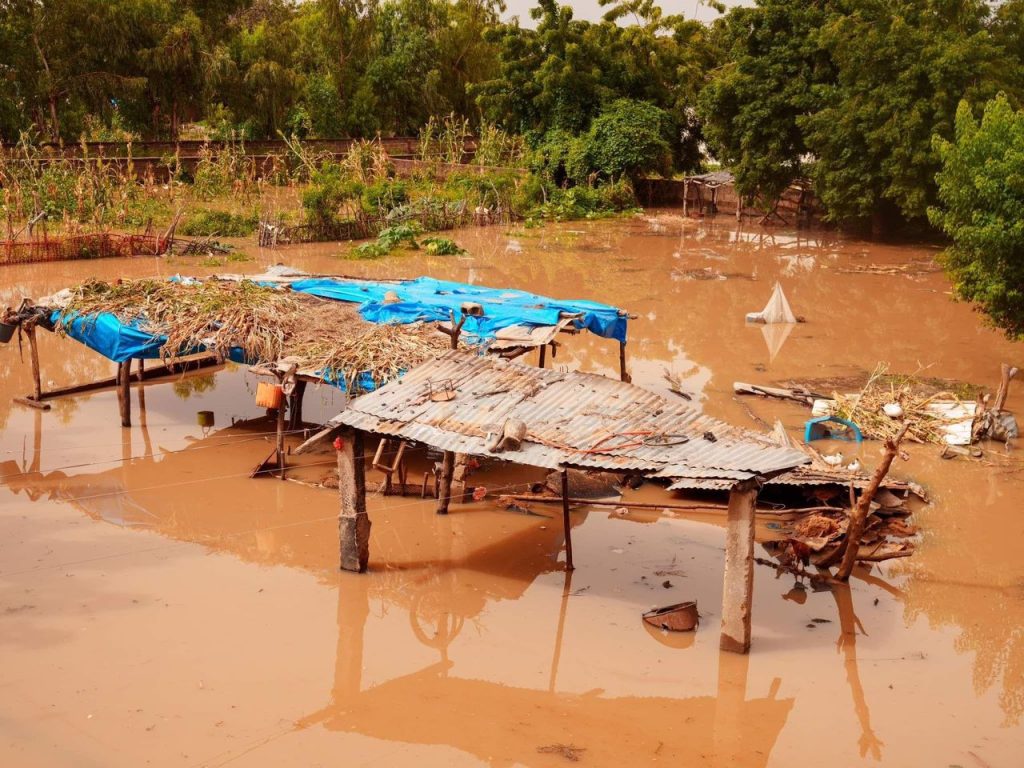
(497, 722)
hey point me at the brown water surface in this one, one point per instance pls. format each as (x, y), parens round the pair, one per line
(157, 607)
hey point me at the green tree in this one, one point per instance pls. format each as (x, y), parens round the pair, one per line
(629, 138)
(752, 107)
(981, 195)
(902, 66)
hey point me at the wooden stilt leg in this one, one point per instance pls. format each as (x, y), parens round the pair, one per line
(353, 520)
(280, 440)
(124, 377)
(37, 391)
(738, 591)
(543, 355)
(295, 401)
(142, 370)
(623, 376)
(566, 521)
(445, 482)
(35, 400)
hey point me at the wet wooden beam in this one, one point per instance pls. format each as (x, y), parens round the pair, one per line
(738, 589)
(353, 520)
(444, 495)
(566, 521)
(162, 371)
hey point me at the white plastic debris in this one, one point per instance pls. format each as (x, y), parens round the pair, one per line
(892, 410)
(777, 310)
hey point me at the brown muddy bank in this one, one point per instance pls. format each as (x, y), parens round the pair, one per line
(217, 631)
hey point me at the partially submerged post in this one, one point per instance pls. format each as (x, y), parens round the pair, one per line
(444, 483)
(353, 521)
(124, 378)
(566, 522)
(35, 400)
(738, 590)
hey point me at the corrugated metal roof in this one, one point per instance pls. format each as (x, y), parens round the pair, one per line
(803, 477)
(576, 419)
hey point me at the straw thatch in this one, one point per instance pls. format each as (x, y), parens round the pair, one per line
(267, 323)
(913, 396)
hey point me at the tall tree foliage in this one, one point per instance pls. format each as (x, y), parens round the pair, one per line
(851, 92)
(752, 106)
(981, 194)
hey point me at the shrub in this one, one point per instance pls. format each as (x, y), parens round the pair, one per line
(441, 246)
(630, 138)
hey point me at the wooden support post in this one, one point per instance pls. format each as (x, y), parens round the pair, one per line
(543, 354)
(738, 589)
(444, 485)
(124, 378)
(295, 405)
(353, 521)
(622, 363)
(459, 474)
(566, 521)
(142, 370)
(280, 439)
(37, 391)
(1006, 373)
(686, 194)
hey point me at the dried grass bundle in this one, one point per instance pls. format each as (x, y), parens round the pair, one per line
(865, 409)
(268, 324)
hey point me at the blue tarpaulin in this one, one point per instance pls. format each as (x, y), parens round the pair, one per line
(423, 299)
(427, 299)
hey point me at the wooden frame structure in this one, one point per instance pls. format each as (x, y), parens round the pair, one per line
(642, 434)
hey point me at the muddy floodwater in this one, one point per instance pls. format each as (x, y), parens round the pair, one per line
(158, 607)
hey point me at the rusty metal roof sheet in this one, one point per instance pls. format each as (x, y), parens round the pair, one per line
(573, 419)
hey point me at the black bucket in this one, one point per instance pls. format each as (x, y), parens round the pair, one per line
(7, 332)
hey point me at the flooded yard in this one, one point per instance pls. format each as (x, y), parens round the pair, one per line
(159, 607)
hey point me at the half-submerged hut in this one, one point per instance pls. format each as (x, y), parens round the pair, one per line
(483, 406)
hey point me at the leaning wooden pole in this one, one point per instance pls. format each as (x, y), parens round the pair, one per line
(738, 590)
(566, 521)
(859, 514)
(353, 520)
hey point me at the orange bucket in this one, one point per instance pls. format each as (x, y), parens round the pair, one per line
(269, 395)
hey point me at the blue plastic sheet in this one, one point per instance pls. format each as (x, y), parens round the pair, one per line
(423, 299)
(427, 299)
